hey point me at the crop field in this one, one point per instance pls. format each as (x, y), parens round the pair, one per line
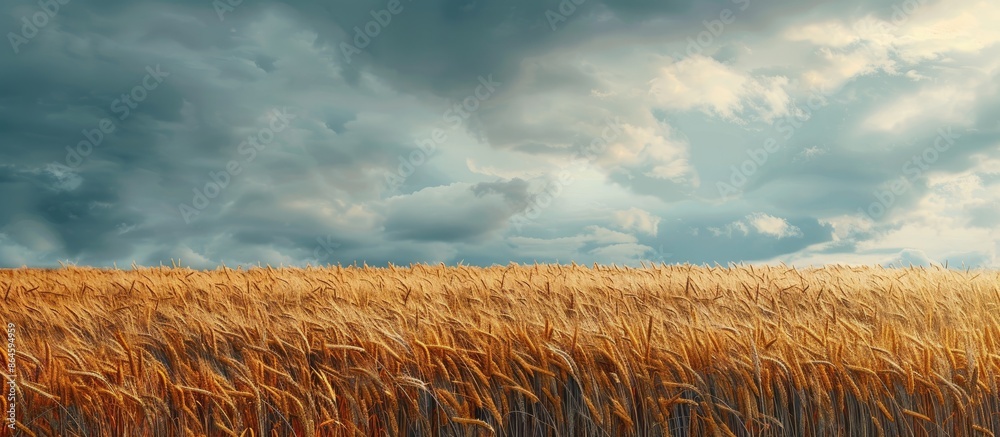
(540, 350)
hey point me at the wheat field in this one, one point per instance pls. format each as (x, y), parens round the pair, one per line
(540, 350)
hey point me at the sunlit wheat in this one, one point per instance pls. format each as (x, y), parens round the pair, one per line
(506, 350)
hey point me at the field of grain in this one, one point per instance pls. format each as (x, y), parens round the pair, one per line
(508, 350)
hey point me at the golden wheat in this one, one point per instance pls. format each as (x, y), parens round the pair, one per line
(505, 350)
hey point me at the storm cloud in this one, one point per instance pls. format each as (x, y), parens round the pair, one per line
(402, 131)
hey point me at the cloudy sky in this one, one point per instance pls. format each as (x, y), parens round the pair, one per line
(237, 132)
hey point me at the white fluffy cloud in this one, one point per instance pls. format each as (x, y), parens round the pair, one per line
(635, 219)
(760, 223)
(703, 83)
(774, 226)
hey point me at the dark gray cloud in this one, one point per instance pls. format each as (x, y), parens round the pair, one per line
(144, 131)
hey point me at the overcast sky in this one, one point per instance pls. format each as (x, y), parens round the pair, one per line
(805, 132)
